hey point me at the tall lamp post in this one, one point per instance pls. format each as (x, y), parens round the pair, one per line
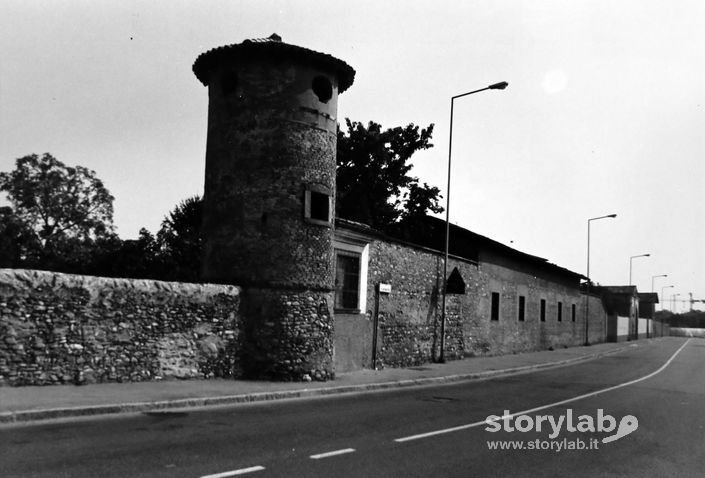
(496, 86)
(636, 323)
(654, 277)
(587, 297)
(662, 289)
(630, 265)
(662, 303)
(653, 318)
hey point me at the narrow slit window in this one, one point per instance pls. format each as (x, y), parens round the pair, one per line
(543, 310)
(522, 308)
(494, 314)
(572, 312)
(559, 314)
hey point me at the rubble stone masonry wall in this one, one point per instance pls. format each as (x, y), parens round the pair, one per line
(409, 317)
(59, 328)
(287, 335)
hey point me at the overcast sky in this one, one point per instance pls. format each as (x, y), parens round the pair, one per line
(604, 112)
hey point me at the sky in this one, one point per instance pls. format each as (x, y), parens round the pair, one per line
(604, 113)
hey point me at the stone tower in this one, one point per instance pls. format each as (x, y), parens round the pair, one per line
(269, 198)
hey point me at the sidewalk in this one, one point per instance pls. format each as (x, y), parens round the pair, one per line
(29, 404)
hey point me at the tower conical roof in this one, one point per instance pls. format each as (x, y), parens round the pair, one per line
(272, 48)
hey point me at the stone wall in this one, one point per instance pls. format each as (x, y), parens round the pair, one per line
(353, 342)
(661, 329)
(409, 317)
(597, 321)
(685, 332)
(60, 328)
(287, 335)
(510, 335)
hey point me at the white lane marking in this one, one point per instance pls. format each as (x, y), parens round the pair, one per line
(241, 471)
(543, 407)
(332, 453)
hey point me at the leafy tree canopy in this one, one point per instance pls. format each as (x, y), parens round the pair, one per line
(374, 184)
(57, 201)
(18, 243)
(179, 240)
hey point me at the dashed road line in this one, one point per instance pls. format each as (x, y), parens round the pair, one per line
(542, 407)
(241, 471)
(332, 453)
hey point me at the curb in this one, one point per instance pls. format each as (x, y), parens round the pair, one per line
(28, 416)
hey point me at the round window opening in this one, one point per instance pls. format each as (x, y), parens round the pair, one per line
(322, 88)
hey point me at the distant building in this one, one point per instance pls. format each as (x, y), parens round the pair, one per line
(622, 307)
(647, 313)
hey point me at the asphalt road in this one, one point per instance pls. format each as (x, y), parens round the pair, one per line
(431, 431)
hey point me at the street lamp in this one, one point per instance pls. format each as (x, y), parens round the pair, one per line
(662, 303)
(496, 86)
(654, 277)
(630, 265)
(587, 297)
(652, 290)
(662, 299)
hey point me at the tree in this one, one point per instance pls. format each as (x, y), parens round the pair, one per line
(57, 201)
(373, 181)
(133, 258)
(180, 242)
(19, 246)
(173, 254)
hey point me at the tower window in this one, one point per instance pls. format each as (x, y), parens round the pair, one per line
(322, 88)
(318, 205)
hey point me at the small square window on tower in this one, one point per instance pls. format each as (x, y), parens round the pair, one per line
(318, 205)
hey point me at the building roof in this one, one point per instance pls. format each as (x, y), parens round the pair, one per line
(468, 244)
(430, 233)
(649, 297)
(619, 289)
(271, 48)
